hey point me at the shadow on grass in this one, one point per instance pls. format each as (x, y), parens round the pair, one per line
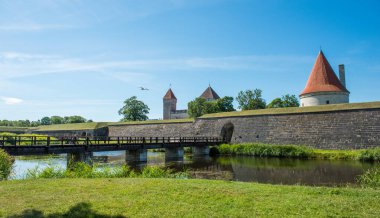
(81, 210)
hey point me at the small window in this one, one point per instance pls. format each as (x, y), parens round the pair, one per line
(327, 102)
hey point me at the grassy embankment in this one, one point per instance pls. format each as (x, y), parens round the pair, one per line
(295, 110)
(295, 151)
(180, 198)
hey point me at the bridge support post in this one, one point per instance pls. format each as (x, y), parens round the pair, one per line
(76, 157)
(201, 151)
(174, 154)
(136, 156)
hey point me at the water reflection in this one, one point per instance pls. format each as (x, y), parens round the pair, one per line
(247, 169)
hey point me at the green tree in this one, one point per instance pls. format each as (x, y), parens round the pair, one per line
(201, 106)
(290, 101)
(45, 121)
(134, 110)
(276, 103)
(196, 107)
(284, 101)
(251, 100)
(56, 120)
(225, 104)
(75, 119)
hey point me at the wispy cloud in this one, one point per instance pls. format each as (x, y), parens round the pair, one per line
(11, 100)
(33, 27)
(17, 65)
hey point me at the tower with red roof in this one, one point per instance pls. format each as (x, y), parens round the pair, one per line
(170, 107)
(323, 86)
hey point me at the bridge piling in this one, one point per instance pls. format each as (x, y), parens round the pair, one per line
(75, 157)
(200, 151)
(136, 156)
(173, 154)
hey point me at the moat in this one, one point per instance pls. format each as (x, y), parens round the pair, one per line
(246, 169)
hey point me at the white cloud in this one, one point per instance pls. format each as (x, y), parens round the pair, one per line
(33, 27)
(17, 65)
(11, 101)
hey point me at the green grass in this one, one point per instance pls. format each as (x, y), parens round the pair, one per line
(72, 126)
(83, 170)
(295, 110)
(295, 151)
(96, 125)
(13, 129)
(153, 122)
(180, 198)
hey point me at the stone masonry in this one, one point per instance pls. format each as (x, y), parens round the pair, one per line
(346, 129)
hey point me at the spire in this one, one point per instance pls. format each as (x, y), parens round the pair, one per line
(209, 94)
(322, 78)
(169, 95)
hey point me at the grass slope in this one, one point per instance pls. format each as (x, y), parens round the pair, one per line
(295, 110)
(190, 120)
(13, 129)
(72, 126)
(180, 198)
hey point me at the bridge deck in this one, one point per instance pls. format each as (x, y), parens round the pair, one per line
(33, 145)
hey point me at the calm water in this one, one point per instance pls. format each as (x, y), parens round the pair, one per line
(247, 169)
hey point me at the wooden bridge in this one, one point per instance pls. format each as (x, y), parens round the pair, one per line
(36, 145)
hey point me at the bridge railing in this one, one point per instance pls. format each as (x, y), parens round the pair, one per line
(101, 140)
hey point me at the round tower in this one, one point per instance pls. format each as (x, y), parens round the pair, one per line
(170, 104)
(323, 86)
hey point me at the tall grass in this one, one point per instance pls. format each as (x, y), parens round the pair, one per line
(370, 154)
(83, 170)
(6, 164)
(295, 151)
(371, 178)
(265, 150)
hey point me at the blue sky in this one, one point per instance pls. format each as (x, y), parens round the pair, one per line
(85, 57)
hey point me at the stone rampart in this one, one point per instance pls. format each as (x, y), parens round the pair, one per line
(344, 129)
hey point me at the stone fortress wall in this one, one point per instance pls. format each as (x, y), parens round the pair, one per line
(339, 129)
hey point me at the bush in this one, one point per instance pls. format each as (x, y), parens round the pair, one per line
(83, 170)
(265, 150)
(370, 154)
(371, 178)
(6, 164)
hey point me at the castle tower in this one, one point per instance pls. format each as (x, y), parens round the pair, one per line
(170, 104)
(323, 86)
(209, 94)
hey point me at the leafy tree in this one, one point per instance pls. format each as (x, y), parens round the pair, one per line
(134, 110)
(276, 103)
(45, 121)
(225, 104)
(75, 119)
(251, 100)
(196, 107)
(284, 101)
(201, 106)
(56, 120)
(290, 101)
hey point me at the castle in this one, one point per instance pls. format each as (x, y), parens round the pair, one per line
(323, 86)
(170, 104)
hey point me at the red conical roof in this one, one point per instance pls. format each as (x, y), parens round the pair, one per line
(169, 95)
(322, 78)
(209, 93)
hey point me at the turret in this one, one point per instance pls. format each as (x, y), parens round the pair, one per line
(169, 104)
(323, 86)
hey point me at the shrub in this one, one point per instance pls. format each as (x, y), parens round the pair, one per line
(265, 150)
(6, 164)
(83, 170)
(371, 178)
(370, 154)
